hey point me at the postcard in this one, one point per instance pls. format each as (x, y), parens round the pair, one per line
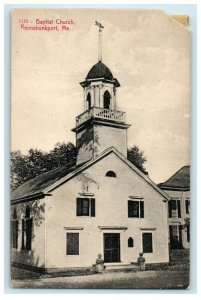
(100, 149)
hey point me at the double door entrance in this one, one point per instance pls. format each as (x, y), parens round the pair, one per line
(111, 247)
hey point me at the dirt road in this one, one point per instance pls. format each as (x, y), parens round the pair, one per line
(119, 280)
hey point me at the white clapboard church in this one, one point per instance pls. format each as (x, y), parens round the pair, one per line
(104, 205)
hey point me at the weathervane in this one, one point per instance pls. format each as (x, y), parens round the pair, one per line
(100, 40)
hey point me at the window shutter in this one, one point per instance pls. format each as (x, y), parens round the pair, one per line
(170, 208)
(188, 233)
(179, 208)
(187, 206)
(130, 206)
(141, 209)
(93, 210)
(79, 206)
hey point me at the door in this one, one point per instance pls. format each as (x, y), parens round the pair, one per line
(111, 247)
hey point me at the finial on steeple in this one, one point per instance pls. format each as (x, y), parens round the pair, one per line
(100, 41)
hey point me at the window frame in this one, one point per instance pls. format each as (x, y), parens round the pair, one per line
(140, 212)
(107, 100)
(91, 209)
(88, 100)
(27, 230)
(130, 242)
(14, 230)
(72, 233)
(177, 210)
(152, 242)
(187, 206)
(110, 174)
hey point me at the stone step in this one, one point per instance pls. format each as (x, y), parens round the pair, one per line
(121, 266)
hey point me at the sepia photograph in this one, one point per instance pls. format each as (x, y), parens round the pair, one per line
(100, 149)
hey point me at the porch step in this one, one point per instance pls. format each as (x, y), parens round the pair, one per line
(110, 267)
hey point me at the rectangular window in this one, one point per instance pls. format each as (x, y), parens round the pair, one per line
(169, 209)
(173, 204)
(14, 228)
(72, 243)
(187, 202)
(135, 209)
(85, 207)
(23, 234)
(174, 209)
(147, 242)
(29, 226)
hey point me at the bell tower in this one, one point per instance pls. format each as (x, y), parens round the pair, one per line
(101, 125)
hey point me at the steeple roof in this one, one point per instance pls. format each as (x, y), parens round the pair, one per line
(100, 70)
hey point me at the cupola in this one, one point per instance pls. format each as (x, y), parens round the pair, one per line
(100, 125)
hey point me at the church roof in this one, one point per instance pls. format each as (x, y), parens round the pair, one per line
(100, 70)
(179, 181)
(39, 183)
(43, 184)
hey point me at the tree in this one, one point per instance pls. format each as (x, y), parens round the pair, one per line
(136, 156)
(18, 169)
(36, 162)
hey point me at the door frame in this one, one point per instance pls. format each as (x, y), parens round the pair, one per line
(119, 236)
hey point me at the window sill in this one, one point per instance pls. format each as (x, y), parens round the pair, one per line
(85, 216)
(26, 251)
(135, 218)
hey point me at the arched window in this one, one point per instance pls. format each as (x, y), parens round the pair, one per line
(130, 242)
(27, 230)
(111, 174)
(106, 101)
(14, 229)
(89, 101)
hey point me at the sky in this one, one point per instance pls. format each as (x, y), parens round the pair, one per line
(147, 51)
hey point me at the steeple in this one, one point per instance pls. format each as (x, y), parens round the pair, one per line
(101, 125)
(99, 41)
(100, 88)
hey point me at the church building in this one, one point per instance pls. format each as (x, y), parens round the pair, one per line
(178, 188)
(104, 205)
